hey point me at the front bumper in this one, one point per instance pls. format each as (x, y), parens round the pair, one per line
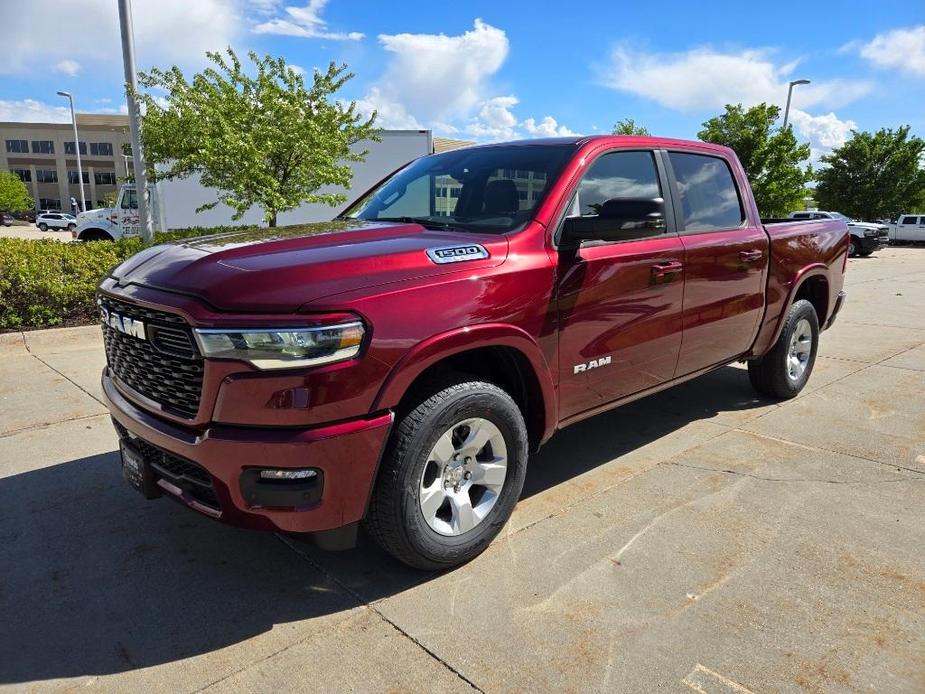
(869, 244)
(346, 454)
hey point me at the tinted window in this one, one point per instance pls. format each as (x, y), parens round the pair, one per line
(617, 175)
(709, 199)
(101, 149)
(43, 147)
(801, 215)
(483, 189)
(18, 146)
(910, 220)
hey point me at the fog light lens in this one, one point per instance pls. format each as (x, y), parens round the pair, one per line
(288, 474)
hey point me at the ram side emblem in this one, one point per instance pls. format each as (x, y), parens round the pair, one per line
(457, 254)
(593, 364)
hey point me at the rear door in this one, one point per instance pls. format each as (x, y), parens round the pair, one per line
(619, 302)
(725, 261)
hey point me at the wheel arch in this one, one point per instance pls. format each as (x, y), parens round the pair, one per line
(502, 354)
(808, 281)
(90, 232)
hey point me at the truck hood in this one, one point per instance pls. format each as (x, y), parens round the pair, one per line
(280, 270)
(867, 225)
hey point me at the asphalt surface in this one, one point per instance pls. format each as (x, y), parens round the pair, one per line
(27, 230)
(699, 540)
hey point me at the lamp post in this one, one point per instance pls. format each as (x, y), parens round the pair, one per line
(789, 93)
(131, 81)
(80, 171)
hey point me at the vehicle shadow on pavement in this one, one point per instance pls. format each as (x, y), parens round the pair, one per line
(95, 580)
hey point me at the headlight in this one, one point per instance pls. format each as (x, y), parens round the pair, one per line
(871, 232)
(282, 349)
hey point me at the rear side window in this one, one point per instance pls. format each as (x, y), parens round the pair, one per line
(709, 197)
(617, 175)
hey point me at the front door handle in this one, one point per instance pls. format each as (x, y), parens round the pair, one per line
(666, 270)
(750, 256)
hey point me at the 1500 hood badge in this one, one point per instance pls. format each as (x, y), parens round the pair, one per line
(457, 254)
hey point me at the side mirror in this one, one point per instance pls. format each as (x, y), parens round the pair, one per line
(619, 219)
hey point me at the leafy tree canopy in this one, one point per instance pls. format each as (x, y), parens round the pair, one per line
(874, 175)
(772, 159)
(14, 196)
(627, 126)
(264, 139)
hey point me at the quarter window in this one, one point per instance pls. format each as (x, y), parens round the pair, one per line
(617, 175)
(709, 197)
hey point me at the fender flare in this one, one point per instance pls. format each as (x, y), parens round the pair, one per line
(438, 347)
(806, 273)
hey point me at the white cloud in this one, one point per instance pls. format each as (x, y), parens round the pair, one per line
(824, 133)
(305, 22)
(68, 67)
(30, 110)
(703, 78)
(172, 31)
(902, 49)
(548, 127)
(443, 82)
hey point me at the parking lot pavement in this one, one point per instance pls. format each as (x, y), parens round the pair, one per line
(30, 231)
(697, 540)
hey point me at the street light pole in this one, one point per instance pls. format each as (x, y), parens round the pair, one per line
(80, 171)
(789, 93)
(131, 81)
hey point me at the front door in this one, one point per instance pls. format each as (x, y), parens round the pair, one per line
(725, 262)
(620, 302)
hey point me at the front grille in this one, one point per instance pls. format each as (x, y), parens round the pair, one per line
(194, 479)
(166, 367)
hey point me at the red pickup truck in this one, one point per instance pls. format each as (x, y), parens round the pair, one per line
(398, 365)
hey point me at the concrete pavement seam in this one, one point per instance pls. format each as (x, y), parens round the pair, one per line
(45, 425)
(360, 600)
(903, 478)
(65, 377)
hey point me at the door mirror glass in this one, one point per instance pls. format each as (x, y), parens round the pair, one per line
(618, 219)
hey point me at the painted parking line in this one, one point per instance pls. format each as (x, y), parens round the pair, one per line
(704, 680)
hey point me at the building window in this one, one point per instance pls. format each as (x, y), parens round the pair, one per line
(69, 148)
(522, 194)
(25, 175)
(454, 192)
(49, 204)
(101, 149)
(104, 178)
(46, 175)
(72, 177)
(43, 147)
(19, 146)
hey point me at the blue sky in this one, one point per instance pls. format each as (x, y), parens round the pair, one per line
(494, 70)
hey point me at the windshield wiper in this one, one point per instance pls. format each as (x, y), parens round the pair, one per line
(425, 222)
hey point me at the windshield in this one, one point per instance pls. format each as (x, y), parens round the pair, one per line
(481, 189)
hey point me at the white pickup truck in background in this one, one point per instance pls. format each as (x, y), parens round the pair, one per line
(174, 203)
(908, 228)
(866, 237)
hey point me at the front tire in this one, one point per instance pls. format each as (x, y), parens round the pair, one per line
(43, 226)
(71, 227)
(783, 371)
(452, 472)
(852, 248)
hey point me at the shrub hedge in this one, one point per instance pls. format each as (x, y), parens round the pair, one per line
(46, 283)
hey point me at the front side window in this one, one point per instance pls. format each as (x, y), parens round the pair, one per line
(614, 176)
(480, 189)
(708, 193)
(129, 200)
(43, 147)
(911, 220)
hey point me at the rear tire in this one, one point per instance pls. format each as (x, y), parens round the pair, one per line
(427, 508)
(783, 371)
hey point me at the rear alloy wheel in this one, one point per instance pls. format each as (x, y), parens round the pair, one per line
(452, 472)
(783, 371)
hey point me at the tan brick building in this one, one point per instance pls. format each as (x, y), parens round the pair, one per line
(43, 155)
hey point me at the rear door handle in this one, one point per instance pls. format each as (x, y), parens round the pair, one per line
(750, 256)
(663, 270)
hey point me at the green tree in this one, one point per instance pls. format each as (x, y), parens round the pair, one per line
(772, 158)
(627, 126)
(874, 175)
(264, 139)
(14, 196)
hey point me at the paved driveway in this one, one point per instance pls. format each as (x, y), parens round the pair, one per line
(698, 540)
